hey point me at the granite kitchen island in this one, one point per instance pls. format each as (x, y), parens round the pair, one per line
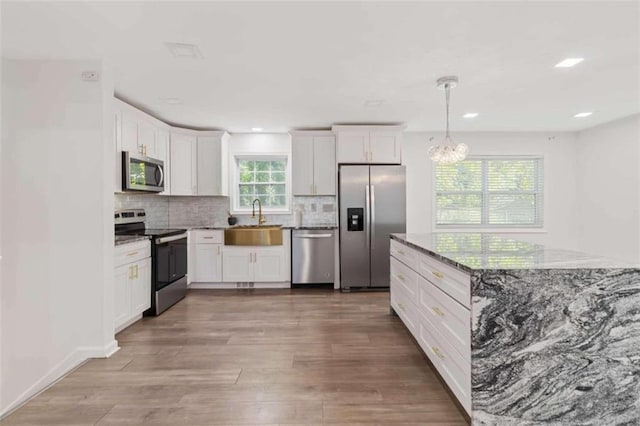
(523, 334)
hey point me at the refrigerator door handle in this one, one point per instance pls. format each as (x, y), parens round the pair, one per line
(373, 215)
(367, 216)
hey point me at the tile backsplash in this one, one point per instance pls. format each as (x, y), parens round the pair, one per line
(175, 212)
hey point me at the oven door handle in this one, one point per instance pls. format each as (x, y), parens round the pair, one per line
(171, 238)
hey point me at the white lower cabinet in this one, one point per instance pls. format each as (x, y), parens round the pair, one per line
(254, 264)
(207, 255)
(269, 265)
(435, 315)
(132, 283)
(237, 264)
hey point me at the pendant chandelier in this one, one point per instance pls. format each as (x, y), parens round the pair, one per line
(448, 152)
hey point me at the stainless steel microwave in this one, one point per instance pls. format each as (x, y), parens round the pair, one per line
(140, 173)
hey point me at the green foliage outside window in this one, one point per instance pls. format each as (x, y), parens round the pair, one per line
(264, 180)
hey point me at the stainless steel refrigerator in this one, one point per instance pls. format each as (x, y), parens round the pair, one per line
(372, 206)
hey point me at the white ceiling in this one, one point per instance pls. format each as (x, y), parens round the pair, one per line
(284, 65)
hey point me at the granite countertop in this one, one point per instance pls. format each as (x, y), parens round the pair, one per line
(473, 251)
(310, 227)
(126, 239)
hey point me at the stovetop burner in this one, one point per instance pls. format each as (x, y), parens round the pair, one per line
(152, 232)
(131, 222)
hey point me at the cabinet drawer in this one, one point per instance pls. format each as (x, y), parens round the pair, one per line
(452, 281)
(447, 316)
(404, 254)
(131, 252)
(404, 307)
(454, 369)
(405, 277)
(208, 236)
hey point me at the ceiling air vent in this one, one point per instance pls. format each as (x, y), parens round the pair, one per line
(184, 50)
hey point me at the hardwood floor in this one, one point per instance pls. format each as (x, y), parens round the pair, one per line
(255, 357)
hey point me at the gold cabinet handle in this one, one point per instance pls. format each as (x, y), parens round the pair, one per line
(437, 311)
(133, 253)
(130, 272)
(438, 274)
(136, 269)
(437, 351)
(401, 252)
(208, 238)
(401, 305)
(401, 277)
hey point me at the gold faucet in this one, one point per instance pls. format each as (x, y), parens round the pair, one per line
(261, 219)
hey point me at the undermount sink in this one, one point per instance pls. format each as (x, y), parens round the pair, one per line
(253, 235)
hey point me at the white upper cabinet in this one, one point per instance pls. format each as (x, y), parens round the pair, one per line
(183, 164)
(212, 164)
(117, 152)
(384, 147)
(163, 153)
(353, 147)
(302, 165)
(314, 163)
(369, 144)
(139, 134)
(129, 132)
(147, 139)
(324, 165)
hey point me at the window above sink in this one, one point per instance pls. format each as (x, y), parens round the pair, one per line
(265, 177)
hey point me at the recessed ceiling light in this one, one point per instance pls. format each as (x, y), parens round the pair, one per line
(373, 103)
(183, 50)
(171, 101)
(569, 62)
(470, 115)
(583, 114)
(257, 129)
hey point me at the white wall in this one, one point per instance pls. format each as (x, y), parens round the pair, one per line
(57, 237)
(609, 189)
(559, 175)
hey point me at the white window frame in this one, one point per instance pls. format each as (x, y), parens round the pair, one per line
(234, 190)
(484, 227)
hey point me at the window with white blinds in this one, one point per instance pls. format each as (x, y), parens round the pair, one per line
(500, 192)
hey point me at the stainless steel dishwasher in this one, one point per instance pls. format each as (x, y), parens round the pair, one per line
(312, 256)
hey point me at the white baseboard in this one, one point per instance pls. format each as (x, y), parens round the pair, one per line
(213, 286)
(129, 322)
(68, 364)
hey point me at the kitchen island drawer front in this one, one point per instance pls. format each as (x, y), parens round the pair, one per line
(205, 236)
(132, 252)
(453, 368)
(447, 316)
(405, 277)
(452, 281)
(404, 254)
(404, 307)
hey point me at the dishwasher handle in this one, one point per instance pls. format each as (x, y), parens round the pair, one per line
(313, 236)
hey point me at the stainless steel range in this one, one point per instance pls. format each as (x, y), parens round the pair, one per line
(168, 258)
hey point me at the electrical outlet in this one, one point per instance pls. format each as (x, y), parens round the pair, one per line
(90, 76)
